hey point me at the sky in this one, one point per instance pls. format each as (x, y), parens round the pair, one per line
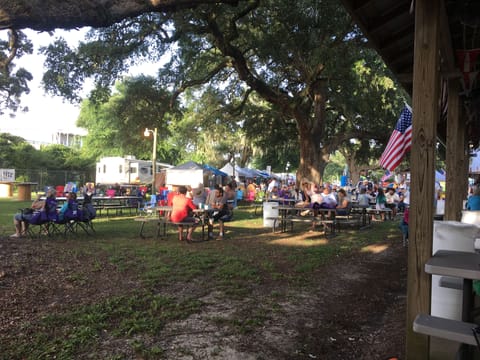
(48, 114)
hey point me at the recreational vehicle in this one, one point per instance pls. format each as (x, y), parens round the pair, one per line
(126, 170)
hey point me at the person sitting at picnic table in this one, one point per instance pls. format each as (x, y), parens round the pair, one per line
(329, 199)
(392, 199)
(304, 195)
(212, 197)
(21, 219)
(343, 202)
(284, 192)
(316, 198)
(273, 194)
(221, 209)
(199, 196)
(363, 198)
(181, 213)
(473, 201)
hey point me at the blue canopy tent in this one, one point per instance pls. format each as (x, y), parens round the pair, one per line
(214, 170)
(440, 175)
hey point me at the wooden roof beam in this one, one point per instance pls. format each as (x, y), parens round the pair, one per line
(404, 33)
(384, 19)
(360, 5)
(446, 48)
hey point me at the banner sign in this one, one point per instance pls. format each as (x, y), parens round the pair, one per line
(7, 175)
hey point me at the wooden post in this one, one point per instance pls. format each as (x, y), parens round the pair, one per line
(425, 114)
(456, 156)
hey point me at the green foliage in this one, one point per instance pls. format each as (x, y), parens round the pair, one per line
(264, 77)
(13, 83)
(116, 126)
(15, 152)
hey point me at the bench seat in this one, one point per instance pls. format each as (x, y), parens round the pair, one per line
(278, 221)
(146, 219)
(454, 330)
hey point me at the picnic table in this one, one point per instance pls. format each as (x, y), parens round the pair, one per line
(291, 214)
(161, 216)
(363, 211)
(107, 204)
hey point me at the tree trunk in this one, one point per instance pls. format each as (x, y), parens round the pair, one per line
(353, 169)
(311, 164)
(314, 155)
(48, 15)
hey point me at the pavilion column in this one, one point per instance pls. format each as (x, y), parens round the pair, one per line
(426, 84)
(456, 156)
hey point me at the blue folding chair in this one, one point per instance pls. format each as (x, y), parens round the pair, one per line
(149, 208)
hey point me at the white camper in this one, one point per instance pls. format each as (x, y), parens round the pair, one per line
(126, 170)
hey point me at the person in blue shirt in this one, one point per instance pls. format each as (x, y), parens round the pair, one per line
(473, 202)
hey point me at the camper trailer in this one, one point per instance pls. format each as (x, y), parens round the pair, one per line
(126, 170)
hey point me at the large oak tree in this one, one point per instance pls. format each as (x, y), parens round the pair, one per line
(298, 56)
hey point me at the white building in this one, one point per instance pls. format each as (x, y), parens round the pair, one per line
(126, 170)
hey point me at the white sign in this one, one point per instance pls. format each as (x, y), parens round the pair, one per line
(7, 175)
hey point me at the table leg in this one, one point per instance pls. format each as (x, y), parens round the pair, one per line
(466, 351)
(141, 230)
(467, 305)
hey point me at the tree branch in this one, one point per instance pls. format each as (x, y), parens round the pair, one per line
(12, 44)
(243, 71)
(199, 81)
(48, 15)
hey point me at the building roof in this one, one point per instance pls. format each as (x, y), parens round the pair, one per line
(389, 26)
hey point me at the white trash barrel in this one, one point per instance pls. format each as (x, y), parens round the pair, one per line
(269, 212)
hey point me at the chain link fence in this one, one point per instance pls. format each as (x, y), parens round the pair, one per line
(52, 178)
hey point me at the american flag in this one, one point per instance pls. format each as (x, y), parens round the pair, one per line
(386, 176)
(400, 141)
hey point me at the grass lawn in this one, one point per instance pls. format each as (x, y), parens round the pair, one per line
(117, 296)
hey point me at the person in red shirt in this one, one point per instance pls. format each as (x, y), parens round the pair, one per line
(181, 212)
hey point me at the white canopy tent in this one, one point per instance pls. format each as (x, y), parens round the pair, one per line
(194, 175)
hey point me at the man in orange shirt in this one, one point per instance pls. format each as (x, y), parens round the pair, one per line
(181, 210)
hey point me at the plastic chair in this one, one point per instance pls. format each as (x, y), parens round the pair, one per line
(149, 208)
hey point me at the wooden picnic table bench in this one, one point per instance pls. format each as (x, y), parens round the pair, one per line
(375, 212)
(161, 215)
(284, 219)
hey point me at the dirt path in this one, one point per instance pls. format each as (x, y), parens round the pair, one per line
(356, 309)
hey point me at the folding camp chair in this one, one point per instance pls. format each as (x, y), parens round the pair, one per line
(149, 208)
